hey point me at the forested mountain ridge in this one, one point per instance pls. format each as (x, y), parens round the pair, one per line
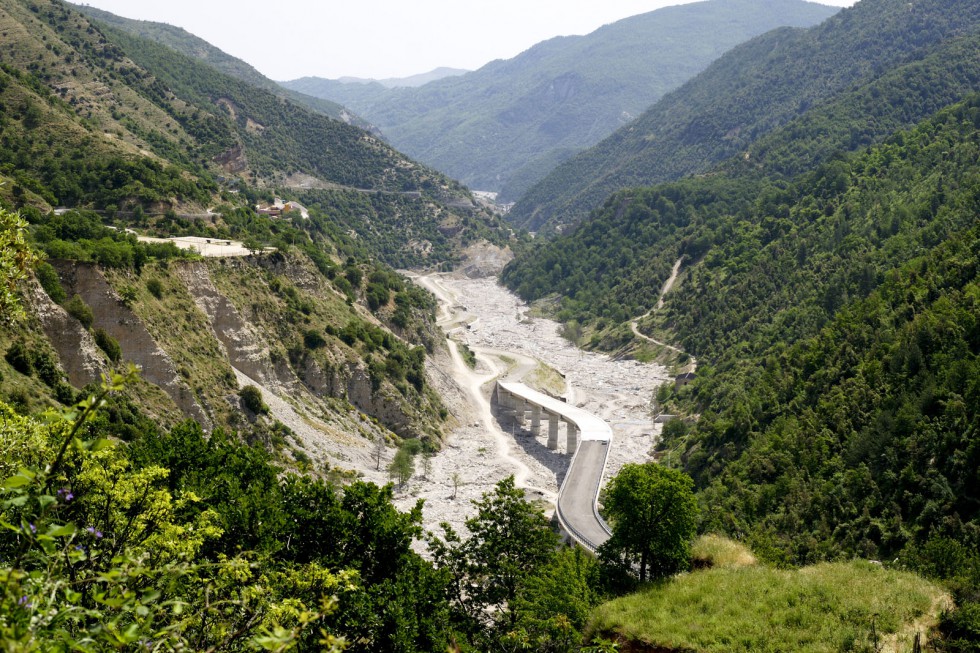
(186, 43)
(139, 146)
(83, 99)
(834, 318)
(507, 124)
(839, 320)
(764, 84)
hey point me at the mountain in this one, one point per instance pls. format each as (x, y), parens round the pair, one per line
(768, 83)
(505, 125)
(412, 80)
(129, 136)
(98, 99)
(186, 43)
(828, 289)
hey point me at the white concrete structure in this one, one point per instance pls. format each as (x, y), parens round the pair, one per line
(587, 440)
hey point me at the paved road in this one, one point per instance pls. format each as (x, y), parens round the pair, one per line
(579, 491)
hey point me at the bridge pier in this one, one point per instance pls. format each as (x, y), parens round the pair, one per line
(520, 412)
(535, 420)
(553, 422)
(504, 401)
(571, 438)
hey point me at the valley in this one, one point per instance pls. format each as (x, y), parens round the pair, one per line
(266, 384)
(510, 345)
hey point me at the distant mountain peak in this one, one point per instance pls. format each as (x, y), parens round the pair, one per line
(412, 81)
(508, 124)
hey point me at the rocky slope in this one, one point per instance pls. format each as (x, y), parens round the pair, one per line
(199, 331)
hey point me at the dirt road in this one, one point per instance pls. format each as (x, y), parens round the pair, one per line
(509, 344)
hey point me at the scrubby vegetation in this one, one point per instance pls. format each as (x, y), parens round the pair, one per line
(852, 606)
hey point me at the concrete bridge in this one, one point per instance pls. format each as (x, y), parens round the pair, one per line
(586, 440)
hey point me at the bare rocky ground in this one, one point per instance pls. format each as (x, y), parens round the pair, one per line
(509, 344)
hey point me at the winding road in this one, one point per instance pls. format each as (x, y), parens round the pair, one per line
(576, 501)
(635, 324)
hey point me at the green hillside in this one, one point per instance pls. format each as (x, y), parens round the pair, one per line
(830, 77)
(835, 320)
(104, 120)
(820, 609)
(504, 126)
(186, 43)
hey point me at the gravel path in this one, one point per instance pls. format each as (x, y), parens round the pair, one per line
(508, 343)
(635, 324)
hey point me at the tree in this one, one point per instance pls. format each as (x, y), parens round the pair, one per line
(251, 398)
(510, 540)
(16, 258)
(653, 512)
(402, 467)
(555, 603)
(457, 480)
(379, 450)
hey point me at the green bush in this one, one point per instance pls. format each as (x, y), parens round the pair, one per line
(81, 311)
(48, 278)
(313, 340)
(109, 345)
(47, 369)
(155, 286)
(252, 400)
(20, 358)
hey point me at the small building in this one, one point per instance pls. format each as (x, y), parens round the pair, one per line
(683, 379)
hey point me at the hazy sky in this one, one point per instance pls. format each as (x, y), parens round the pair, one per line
(286, 39)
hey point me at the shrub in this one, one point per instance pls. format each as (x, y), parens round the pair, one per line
(129, 295)
(81, 311)
(48, 278)
(20, 358)
(313, 340)
(109, 345)
(47, 369)
(252, 400)
(155, 286)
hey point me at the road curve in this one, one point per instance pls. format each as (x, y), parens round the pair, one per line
(576, 507)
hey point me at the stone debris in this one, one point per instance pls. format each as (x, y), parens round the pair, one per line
(495, 324)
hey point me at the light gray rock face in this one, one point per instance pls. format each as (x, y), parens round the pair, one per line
(79, 355)
(137, 345)
(351, 380)
(244, 346)
(250, 353)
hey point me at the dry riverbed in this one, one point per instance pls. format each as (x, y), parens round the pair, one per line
(512, 345)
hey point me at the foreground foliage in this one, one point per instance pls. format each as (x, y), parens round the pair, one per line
(653, 513)
(852, 606)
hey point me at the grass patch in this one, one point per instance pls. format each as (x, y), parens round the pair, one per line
(715, 551)
(467, 354)
(824, 608)
(546, 379)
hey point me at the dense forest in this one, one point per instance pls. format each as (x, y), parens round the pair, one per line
(852, 80)
(835, 318)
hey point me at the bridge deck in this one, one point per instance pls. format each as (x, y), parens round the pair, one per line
(579, 492)
(590, 426)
